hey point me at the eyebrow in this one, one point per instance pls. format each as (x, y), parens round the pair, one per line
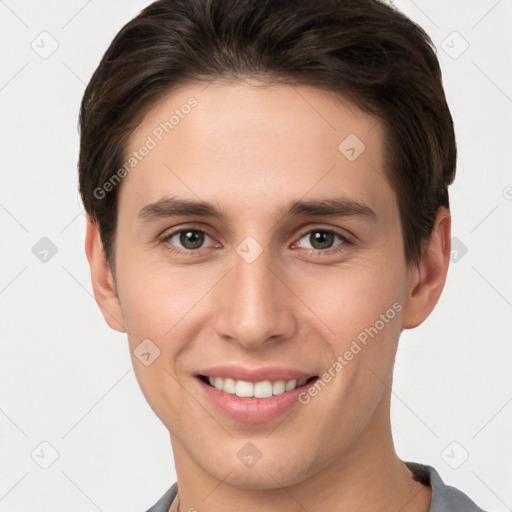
(330, 207)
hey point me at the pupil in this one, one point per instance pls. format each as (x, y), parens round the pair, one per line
(321, 239)
(191, 239)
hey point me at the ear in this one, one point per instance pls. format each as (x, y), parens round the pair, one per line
(427, 278)
(103, 283)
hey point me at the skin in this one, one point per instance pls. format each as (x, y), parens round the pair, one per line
(290, 307)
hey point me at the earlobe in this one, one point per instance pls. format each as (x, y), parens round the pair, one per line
(102, 279)
(428, 277)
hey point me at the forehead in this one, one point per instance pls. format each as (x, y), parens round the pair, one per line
(245, 140)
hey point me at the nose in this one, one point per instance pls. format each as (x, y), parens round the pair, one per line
(254, 305)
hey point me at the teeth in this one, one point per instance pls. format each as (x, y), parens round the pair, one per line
(243, 389)
(291, 384)
(229, 386)
(263, 389)
(278, 387)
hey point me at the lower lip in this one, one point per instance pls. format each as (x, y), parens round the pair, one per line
(253, 410)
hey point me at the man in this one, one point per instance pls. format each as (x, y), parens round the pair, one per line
(266, 190)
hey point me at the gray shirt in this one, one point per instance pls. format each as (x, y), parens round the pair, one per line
(445, 498)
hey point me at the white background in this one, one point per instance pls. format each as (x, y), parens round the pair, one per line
(67, 379)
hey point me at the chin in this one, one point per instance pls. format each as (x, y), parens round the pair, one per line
(274, 471)
(260, 479)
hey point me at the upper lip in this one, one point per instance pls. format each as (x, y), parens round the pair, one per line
(272, 373)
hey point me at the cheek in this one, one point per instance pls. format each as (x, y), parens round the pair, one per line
(362, 309)
(153, 296)
(350, 298)
(158, 300)
(156, 316)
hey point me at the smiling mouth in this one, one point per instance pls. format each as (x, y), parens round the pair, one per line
(262, 389)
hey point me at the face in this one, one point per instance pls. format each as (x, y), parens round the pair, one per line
(288, 283)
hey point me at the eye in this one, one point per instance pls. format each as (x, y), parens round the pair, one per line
(190, 239)
(322, 240)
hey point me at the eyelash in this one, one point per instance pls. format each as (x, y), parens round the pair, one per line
(330, 251)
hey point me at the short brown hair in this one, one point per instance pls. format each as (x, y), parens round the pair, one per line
(364, 50)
